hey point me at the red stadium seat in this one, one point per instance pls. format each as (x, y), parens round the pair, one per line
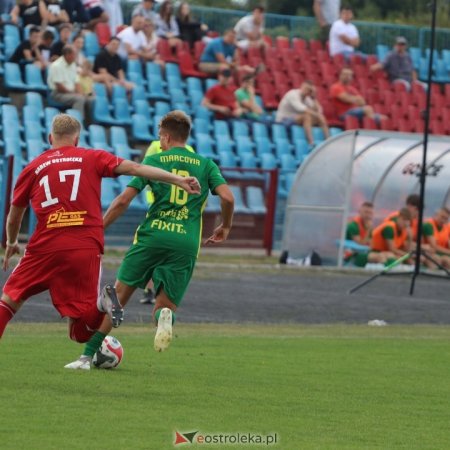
(371, 95)
(165, 52)
(386, 125)
(351, 123)
(255, 52)
(447, 93)
(437, 127)
(371, 59)
(268, 96)
(280, 78)
(315, 45)
(282, 88)
(369, 124)
(299, 45)
(282, 42)
(103, 33)
(419, 126)
(356, 60)
(446, 119)
(199, 46)
(405, 126)
(413, 113)
(187, 67)
(268, 40)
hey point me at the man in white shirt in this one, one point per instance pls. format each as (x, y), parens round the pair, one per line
(132, 39)
(62, 81)
(249, 30)
(344, 36)
(300, 106)
(326, 12)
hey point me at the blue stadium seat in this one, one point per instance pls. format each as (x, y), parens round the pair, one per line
(119, 142)
(49, 114)
(195, 98)
(155, 125)
(109, 191)
(153, 71)
(100, 90)
(243, 145)
(381, 51)
(140, 130)
(34, 99)
(248, 161)
(194, 84)
(202, 113)
(239, 129)
(288, 162)
(268, 161)
(282, 147)
(335, 131)
(260, 131)
(134, 66)
(137, 79)
(298, 133)
(262, 145)
(10, 113)
(161, 108)
(35, 148)
(301, 150)
(239, 205)
(255, 200)
(33, 132)
(228, 160)
(122, 111)
(33, 78)
(279, 132)
(139, 94)
(210, 82)
(142, 108)
(201, 126)
(221, 130)
(97, 137)
(32, 114)
(205, 146)
(119, 92)
(416, 54)
(177, 96)
(213, 205)
(318, 135)
(101, 112)
(91, 45)
(173, 71)
(224, 146)
(13, 78)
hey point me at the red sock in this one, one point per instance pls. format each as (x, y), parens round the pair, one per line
(85, 326)
(6, 314)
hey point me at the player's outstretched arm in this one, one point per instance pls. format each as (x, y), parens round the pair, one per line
(13, 223)
(189, 184)
(118, 206)
(227, 203)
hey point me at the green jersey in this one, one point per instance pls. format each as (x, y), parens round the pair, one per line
(174, 220)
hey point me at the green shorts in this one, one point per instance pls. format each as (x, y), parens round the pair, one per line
(360, 259)
(169, 270)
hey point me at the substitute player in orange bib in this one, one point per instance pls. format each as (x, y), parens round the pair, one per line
(63, 255)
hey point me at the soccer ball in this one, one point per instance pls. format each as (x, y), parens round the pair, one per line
(109, 354)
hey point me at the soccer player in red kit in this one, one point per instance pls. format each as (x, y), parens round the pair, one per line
(63, 185)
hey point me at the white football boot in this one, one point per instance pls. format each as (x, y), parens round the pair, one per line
(109, 304)
(164, 331)
(82, 363)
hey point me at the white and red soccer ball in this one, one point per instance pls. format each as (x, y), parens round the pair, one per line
(109, 354)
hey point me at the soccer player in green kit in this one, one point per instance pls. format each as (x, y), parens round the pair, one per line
(167, 242)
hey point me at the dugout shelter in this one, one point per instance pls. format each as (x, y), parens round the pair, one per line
(353, 167)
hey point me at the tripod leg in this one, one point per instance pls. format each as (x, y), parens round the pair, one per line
(385, 270)
(430, 258)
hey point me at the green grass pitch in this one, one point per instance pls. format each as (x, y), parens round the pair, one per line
(317, 387)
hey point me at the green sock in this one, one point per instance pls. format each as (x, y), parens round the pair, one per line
(158, 313)
(94, 344)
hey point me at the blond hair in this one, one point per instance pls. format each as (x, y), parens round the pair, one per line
(64, 125)
(177, 124)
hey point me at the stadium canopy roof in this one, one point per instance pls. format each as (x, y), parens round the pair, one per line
(353, 167)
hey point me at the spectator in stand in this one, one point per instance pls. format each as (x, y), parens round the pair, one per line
(191, 30)
(166, 25)
(6, 6)
(149, 49)
(132, 39)
(436, 235)
(220, 98)
(391, 238)
(348, 101)
(108, 66)
(62, 81)
(326, 12)
(65, 30)
(300, 106)
(114, 10)
(56, 14)
(27, 52)
(29, 12)
(245, 97)
(344, 36)
(78, 44)
(359, 230)
(399, 65)
(220, 53)
(45, 46)
(145, 9)
(96, 12)
(86, 78)
(76, 11)
(249, 30)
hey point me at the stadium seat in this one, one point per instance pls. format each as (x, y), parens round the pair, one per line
(142, 107)
(268, 161)
(91, 44)
(100, 90)
(205, 145)
(194, 84)
(119, 142)
(221, 130)
(301, 150)
(248, 161)
(255, 200)
(161, 108)
(109, 191)
(12, 78)
(101, 112)
(139, 129)
(35, 99)
(239, 205)
(187, 66)
(243, 145)
(239, 128)
(49, 114)
(32, 114)
(282, 147)
(279, 132)
(177, 96)
(156, 90)
(173, 71)
(224, 146)
(33, 132)
(288, 162)
(33, 78)
(201, 126)
(262, 145)
(213, 204)
(122, 111)
(97, 137)
(34, 148)
(228, 160)
(165, 52)
(119, 92)
(202, 113)
(103, 32)
(351, 123)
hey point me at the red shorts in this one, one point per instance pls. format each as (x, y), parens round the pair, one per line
(71, 276)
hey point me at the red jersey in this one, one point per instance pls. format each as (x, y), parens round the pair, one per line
(335, 91)
(222, 96)
(64, 187)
